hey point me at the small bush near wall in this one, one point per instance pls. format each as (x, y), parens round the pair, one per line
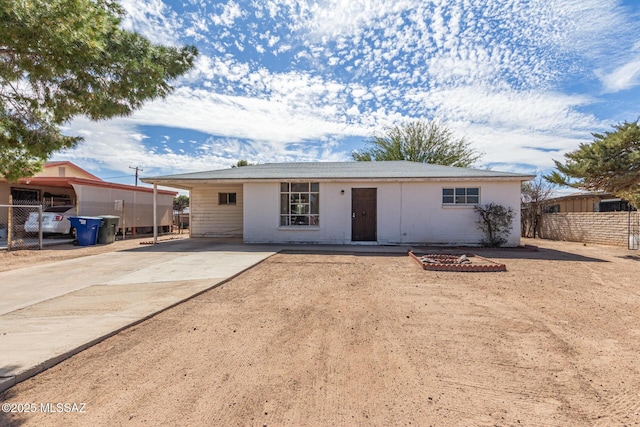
(495, 222)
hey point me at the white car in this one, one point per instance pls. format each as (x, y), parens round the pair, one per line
(55, 219)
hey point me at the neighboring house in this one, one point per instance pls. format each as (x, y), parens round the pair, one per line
(587, 202)
(64, 183)
(591, 217)
(343, 203)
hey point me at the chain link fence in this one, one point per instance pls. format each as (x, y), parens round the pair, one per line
(12, 231)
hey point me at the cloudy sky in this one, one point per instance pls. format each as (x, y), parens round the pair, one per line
(524, 81)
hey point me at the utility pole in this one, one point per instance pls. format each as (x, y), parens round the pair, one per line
(136, 169)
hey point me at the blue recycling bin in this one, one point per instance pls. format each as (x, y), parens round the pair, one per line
(86, 229)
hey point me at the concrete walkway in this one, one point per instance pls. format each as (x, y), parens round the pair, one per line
(50, 312)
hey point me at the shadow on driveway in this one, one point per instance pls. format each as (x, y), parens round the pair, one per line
(236, 245)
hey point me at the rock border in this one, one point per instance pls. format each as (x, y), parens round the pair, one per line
(486, 267)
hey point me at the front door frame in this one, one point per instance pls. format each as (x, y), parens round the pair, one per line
(364, 214)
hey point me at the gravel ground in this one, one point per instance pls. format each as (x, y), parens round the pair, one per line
(360, 339)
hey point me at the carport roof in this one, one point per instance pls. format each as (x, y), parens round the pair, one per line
(69, 182)
(392, 170)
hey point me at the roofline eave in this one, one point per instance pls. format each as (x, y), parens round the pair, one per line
(186, 184)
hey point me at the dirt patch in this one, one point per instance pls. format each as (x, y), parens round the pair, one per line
(314, 339)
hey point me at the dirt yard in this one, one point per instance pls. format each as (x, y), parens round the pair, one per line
(356, 339)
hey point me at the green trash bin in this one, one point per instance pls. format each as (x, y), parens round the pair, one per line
(108, 229)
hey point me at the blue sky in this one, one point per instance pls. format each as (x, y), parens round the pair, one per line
(298, 80)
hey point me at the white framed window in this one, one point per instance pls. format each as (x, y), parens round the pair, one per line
(461, 196)
(299, 204)
(226, 198)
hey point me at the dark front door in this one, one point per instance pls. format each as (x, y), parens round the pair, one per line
(364, 222)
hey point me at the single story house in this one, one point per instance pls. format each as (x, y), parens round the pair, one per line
(64, 183)
(587, 202)
(396, 202)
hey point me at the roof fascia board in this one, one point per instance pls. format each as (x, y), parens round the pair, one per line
(118, 186)
(68, 182)
(190, 183)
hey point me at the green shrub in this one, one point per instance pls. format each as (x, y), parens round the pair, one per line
(495, 222)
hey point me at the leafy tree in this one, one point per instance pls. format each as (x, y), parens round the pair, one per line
(495, 222)
(179, 205)
(180, 202)
(241, 163)
(65, 58)
(419, 141)
(534, 197)
(610, 163)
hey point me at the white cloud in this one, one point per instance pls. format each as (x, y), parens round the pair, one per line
(515, 148)
(492, 69)
(153, 19)
(239, 117)
(332, 18)
(513, 109)
(230, 12)
(623, 77)
(120, 139)
(207, 68)
(275, 131)
(513, 127)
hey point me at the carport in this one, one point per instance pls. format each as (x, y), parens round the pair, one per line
(63, 183)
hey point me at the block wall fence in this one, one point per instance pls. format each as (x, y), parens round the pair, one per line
(605, 228)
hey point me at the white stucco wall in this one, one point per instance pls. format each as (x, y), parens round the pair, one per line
(426, 219)
(407, 212)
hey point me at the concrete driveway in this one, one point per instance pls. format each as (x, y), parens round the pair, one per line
(50, 312)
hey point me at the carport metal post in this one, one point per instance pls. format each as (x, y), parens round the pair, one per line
(155, 213)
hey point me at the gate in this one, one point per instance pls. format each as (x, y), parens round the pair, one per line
(12, 233)
(634, 230)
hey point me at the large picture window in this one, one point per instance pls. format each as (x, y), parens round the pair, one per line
(461, 196)
(299, 204)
